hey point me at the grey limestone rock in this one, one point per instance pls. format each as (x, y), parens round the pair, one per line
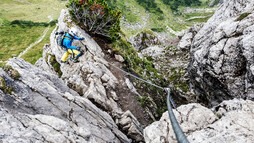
(119, 58)
(222, 54)
(42, 108)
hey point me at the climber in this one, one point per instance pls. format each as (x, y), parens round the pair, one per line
(67, 41)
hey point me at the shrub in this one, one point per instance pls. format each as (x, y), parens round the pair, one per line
(95, 17)
(150, 6)
(6, 89)
(11, 72)
(53, 22)
(158, 29)
(2, 83)
(56, 66)
(7, 68)
(15, 74)
(24, 23)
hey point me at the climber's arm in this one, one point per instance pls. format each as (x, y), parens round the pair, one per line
(78, 38)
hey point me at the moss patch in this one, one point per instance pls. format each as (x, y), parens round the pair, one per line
(242, 16)
(218, 115)
(6, 89)
(11, 72)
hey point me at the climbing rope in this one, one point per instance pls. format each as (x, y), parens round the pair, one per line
(181, 138)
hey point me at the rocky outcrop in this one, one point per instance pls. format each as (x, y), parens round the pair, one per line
(186, 40)
(222, 54)
(92, 77)
(42, 108)
(215, 2)
(231, 121)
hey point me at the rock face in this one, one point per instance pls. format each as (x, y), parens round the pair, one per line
(232, 122)
(222, 54)
(42, 108)
(92, 77)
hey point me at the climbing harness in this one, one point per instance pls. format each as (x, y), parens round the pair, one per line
(181, 138)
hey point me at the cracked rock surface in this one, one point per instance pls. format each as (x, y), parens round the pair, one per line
(231, 121)
(44, 109)
(222, 54)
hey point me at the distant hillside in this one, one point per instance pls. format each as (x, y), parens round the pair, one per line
(160, 15)
(34, 10)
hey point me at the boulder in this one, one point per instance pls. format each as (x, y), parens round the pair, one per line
(231, 121)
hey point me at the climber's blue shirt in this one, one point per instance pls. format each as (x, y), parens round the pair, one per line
(67, 42)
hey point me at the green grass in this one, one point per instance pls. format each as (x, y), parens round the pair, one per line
(33, 54)
(34, 10)
(14, 39)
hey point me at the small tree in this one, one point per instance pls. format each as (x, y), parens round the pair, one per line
(95, 17)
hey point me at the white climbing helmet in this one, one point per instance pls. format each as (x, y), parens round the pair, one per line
(73, 31)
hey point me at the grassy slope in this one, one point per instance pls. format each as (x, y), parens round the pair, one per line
(34, 10)
(14, 40)
(35, 53)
